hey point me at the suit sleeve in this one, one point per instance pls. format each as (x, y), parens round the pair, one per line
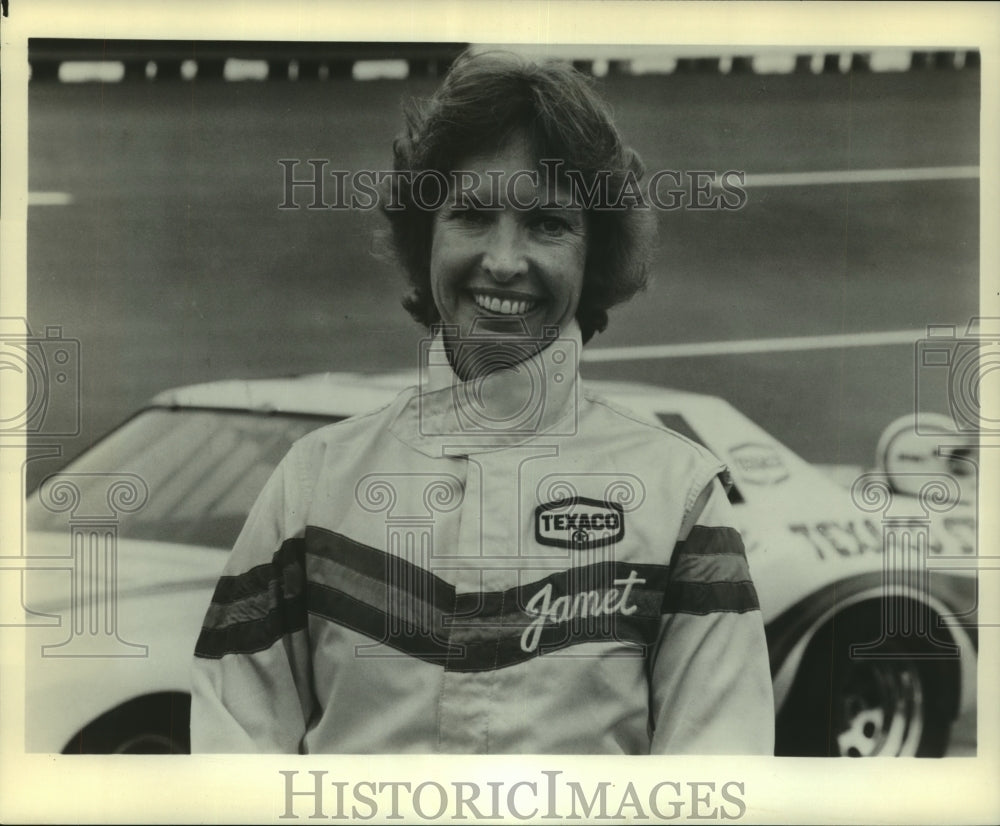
(251, 680)
(710, 680)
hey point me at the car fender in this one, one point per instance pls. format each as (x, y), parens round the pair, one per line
(105, 650)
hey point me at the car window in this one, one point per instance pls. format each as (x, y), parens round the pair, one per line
(203, 469)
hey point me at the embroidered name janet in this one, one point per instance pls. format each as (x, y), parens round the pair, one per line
(595, 603)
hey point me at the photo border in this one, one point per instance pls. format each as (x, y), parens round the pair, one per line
(223, 789)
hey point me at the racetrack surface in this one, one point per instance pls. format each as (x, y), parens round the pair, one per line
(173, 264)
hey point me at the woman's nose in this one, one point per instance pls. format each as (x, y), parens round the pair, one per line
(505, 255)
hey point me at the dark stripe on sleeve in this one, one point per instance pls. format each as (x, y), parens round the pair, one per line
(709, 574)
(252, 611)
(710, 598)
(258, 579)
(710, 555)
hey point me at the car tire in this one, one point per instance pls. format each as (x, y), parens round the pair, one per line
(897, 705)
(158, 724)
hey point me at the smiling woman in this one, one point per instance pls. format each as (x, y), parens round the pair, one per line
(497, 561)
(540, 136)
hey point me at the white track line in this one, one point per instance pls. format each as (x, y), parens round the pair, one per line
(753, 345)
(834, 177)
(861, 176)
(49, 199)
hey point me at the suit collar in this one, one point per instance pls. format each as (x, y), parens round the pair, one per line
(510, 406)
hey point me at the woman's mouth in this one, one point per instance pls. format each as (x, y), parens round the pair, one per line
(504, 306)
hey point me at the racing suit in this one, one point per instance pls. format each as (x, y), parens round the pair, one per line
(503, 566)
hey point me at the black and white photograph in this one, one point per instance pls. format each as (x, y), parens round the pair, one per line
(411, 414)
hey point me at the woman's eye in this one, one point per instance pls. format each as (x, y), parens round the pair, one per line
(551, 225)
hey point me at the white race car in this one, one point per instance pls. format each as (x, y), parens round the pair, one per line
(868, 590)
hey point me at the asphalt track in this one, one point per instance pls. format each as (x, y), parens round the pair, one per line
(164, 252)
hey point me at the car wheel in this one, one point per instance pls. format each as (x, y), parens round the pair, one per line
(878, 709)
(893, 706)
(158, 724)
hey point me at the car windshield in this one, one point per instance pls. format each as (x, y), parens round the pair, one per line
(203, 470)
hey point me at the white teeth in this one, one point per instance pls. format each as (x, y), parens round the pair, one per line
(504, 306)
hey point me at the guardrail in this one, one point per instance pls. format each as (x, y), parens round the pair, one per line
(301, 61)
(206, 60)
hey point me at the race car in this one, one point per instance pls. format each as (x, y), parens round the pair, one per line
(868, 590)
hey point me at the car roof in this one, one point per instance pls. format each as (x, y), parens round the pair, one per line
(345, 393)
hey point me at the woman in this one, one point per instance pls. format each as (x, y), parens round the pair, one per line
(496, 561)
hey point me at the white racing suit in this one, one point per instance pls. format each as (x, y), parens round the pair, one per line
(505, 566)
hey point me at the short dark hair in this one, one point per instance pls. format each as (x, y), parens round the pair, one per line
(483, 101)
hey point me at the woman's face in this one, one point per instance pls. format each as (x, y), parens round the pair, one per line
(504, 262)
